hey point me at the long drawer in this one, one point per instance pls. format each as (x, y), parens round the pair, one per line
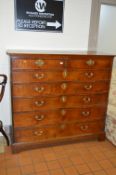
(65, 75)
(57, 131)
(61, 61)
(30, 104)
(43, 117)
(38, 89)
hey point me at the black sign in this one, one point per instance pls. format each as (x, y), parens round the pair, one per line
(39, 15)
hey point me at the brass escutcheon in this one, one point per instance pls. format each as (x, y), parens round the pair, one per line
(65, 73)
(62, 126)
(63, 112)
(63, 99)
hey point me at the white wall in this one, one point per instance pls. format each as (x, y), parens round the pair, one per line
(107, 29)
(74, 37)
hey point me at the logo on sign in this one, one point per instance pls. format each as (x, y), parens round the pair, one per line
(40, 5)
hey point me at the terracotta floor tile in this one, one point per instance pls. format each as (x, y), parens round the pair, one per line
(13, 171)
(77, 160)
(50, 157)
(70, 170)
(37, 158)
(88, 157)
(110, 154)
(82, 169)
(57, 172)
(53, 165)
(27, 170)
(111, 171)
(40, 167)
(43, 173)
(105, 164)
(10, 163)
(65, 162)
(94, 166)
(100, 173)
(99, 156)
(113, 161)
(24, 159)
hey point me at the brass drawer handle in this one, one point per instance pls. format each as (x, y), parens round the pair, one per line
(84, 127)
(39, 76)
(39, 62)
(63, 99)
(39, 118)
(88, 87)
(39, 89)
(38, 133)
(85, 113)
(65, 73)
(64, 86)
(89, 74)
(86, 99)
(63, 112)
(90, 62)
(39, 103)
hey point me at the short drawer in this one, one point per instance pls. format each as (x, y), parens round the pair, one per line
(38, 89)
(40, 118)
(64, 75)
(92, 61)
(38, 63)
(23, 104)
(57, 131)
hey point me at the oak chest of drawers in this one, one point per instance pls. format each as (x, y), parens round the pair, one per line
(58, 98)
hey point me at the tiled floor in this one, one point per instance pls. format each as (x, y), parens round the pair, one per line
(85, 158)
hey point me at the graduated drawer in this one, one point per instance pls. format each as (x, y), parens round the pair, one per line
(40, 118)
(57, 131)
(37, 89)
(55, 76)
(25, 104)
(61, 61)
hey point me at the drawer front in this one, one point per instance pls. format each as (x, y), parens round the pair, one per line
(94, 62)
(22, 104)
(38, 89)
(39, 63)
(58, 131)
(65, 75)
(41, 118)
